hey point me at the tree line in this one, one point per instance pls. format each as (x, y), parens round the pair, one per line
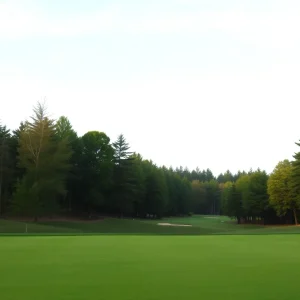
(46, 169)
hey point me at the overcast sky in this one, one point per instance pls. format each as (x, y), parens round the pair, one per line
(208, 83)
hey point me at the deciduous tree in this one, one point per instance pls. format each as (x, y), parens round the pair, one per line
(96, 166)
(280, 190)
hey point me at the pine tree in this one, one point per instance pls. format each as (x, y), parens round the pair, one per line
(156, 192)
(65, 131)
(121, 148)
(235, 204)
(295, 181)
(5, 164)
(124, 177)
(46, 163)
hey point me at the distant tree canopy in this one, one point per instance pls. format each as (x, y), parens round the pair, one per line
(47, 169)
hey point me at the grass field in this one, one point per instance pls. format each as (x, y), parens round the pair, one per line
(252, 262)
(201, 225)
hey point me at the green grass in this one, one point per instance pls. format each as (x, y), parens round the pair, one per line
(137, 259)
(201, 225)
(234, 267)
(13, 227)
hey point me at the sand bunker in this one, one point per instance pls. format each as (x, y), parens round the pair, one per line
(211, 217)
(177, 225)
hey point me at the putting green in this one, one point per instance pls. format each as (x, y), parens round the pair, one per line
(231, 267)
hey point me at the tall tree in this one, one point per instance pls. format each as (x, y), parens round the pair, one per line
(121, 148)
(65, 132)
(221, 178)
(280, 190)
(228, 176)
(253, 190)
(156, 192)
(124, 179)
(209, 175)
(295, 177)
(45, 160)
(225, 189)
(6, 165)
(198, 197)
(212, 197)
(64, 129)
(138, 195)
(235, 204)
(15, 141)
(96, 167)
(243, 188)
(259, 199)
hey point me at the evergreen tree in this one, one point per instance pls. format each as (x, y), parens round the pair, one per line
(295, 178)
(6, 166)
(156, 192)
(235, 204)
(124, 177)
(46, 163)
(225, 189)
(259, 199)
(138, 185)
(65, 131)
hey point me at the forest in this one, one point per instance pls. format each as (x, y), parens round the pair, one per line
(46, 169)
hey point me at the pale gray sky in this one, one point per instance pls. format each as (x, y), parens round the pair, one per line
(211, 83)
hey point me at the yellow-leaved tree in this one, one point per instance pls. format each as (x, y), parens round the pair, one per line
(45, 159)
(280, 190)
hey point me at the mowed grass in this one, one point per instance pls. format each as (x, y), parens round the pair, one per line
(200, 225)
(130, 267)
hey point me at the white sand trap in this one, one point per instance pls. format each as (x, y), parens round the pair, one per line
(211, 217)
(177, 225)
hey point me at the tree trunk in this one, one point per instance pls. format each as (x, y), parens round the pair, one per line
(295, 216)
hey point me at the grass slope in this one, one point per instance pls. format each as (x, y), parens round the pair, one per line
(150, 267)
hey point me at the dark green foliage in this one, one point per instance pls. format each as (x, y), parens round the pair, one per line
(7, 163)
(225, 190)
(227, 176)
(295, 181)
(121, 148)
(46, 168)
(96, 170)
(65, 132)
(259, 199)
(138, 195)
(199, 199)
(235, 203)
(251, 189)
(206, 197)
(156, 193)
(124, 177)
